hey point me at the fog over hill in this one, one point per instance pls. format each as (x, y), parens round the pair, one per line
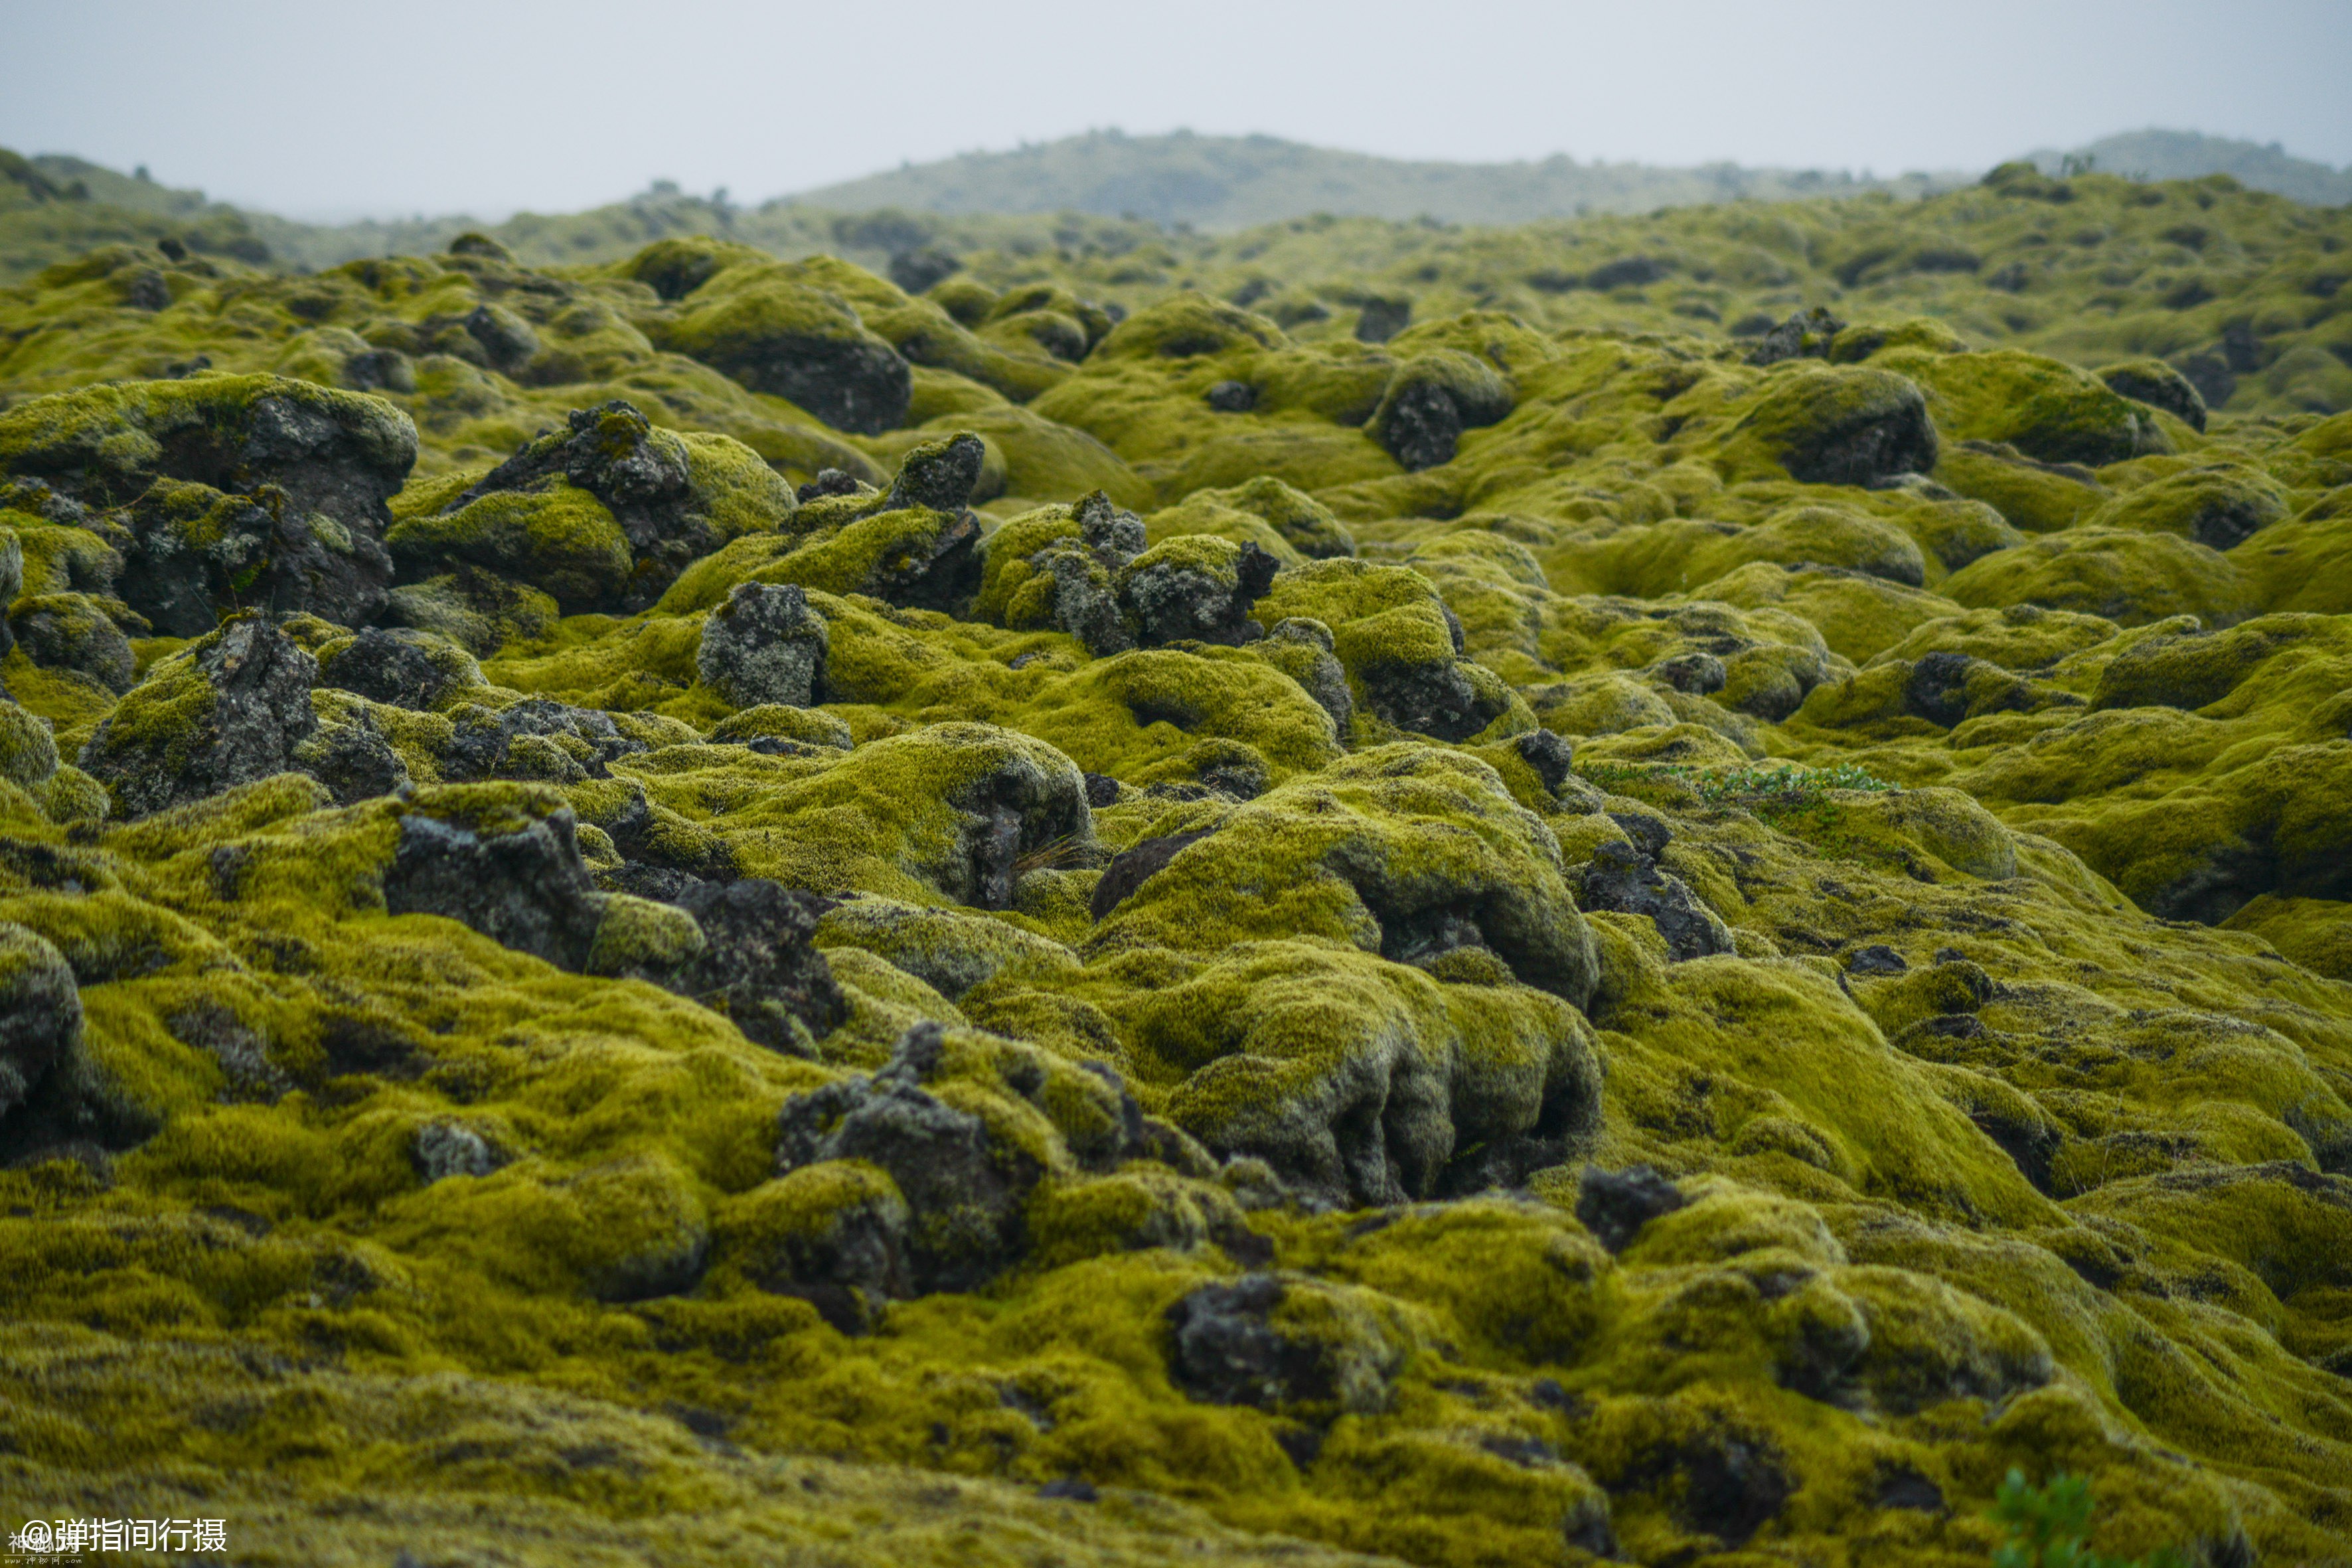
(56, 204)
(2185, 155)
(1232, 182)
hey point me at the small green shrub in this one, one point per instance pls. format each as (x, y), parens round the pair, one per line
(2048, 1526)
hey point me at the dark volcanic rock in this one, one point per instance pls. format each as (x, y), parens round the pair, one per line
(1423, 427)
(1615, 1204)
(225, 712)
(850, 379)
(638, 473)
(1232, 397)
(763, 645)
(318, 454)
(1223, 1351)
(758, 967)
(2158, 385)
(917, 270)
(398, 666)
(1938, 691)
(1383, 319)
(515, 876)
(828, 482)
(1430, 697)
(72, 631)
(940, 475)
(1625, 880)
(355, 762)
(965, 1191)
(192, 553)
(1227, 1345)
(40, 1012)
(1805, 335)
(1174, 601)
(537, 738)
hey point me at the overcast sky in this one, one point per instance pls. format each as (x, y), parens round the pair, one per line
(326, 109)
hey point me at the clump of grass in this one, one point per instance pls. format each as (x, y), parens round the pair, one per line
(1779, 783)
(1063, 854)
(1759, 779)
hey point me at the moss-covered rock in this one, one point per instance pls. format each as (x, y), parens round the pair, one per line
(1844, 427)
(226, 710)
(335, 453)
(1756, 944)
(777, 335)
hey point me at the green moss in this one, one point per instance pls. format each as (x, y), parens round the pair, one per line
(1861, 343)
(561, 541)
(1858, 616)
(1188, 327)
(733, 487)
(2059, 1193)
(2040, 498)
(947, 949)
(808, 726)
(28, 751)
(2218, 505)
(2314, 933)
(2046, 409)
(107, 442)
(2129, 578)
(639, 937)
(1302, 524)
(1805, 421)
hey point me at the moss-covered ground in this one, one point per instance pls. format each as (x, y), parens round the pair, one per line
(1889, 782)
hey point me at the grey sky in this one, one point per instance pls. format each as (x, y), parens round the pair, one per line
(326, 108)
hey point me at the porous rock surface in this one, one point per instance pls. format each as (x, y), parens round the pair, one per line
(1392, 924)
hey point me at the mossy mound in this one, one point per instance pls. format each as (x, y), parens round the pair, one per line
(1542, 940)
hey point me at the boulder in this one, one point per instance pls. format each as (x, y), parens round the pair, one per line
(398, 666)
(73, 631)
(1282, 1344)
(776, 334)
(1623, 880)
(353, 759)
(1057, 568)
(192, 553)
(765, 645)
(940, 475)
(1432, 400)
(1807, 334)
(339, 454)
(1195, 587)
(226, 710)
(1615, 1204)
(1847, 425)
(603, 512)
(959, 1156)
(2157, 385)
(504, 861)
(537, 738)
(1301, 648)
(40, 1013)
(758, 966)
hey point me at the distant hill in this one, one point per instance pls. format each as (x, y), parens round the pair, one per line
(2188, 154)
(1124, 190)
(1232, 182)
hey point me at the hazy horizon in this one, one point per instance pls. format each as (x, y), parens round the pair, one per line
(316, 116)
